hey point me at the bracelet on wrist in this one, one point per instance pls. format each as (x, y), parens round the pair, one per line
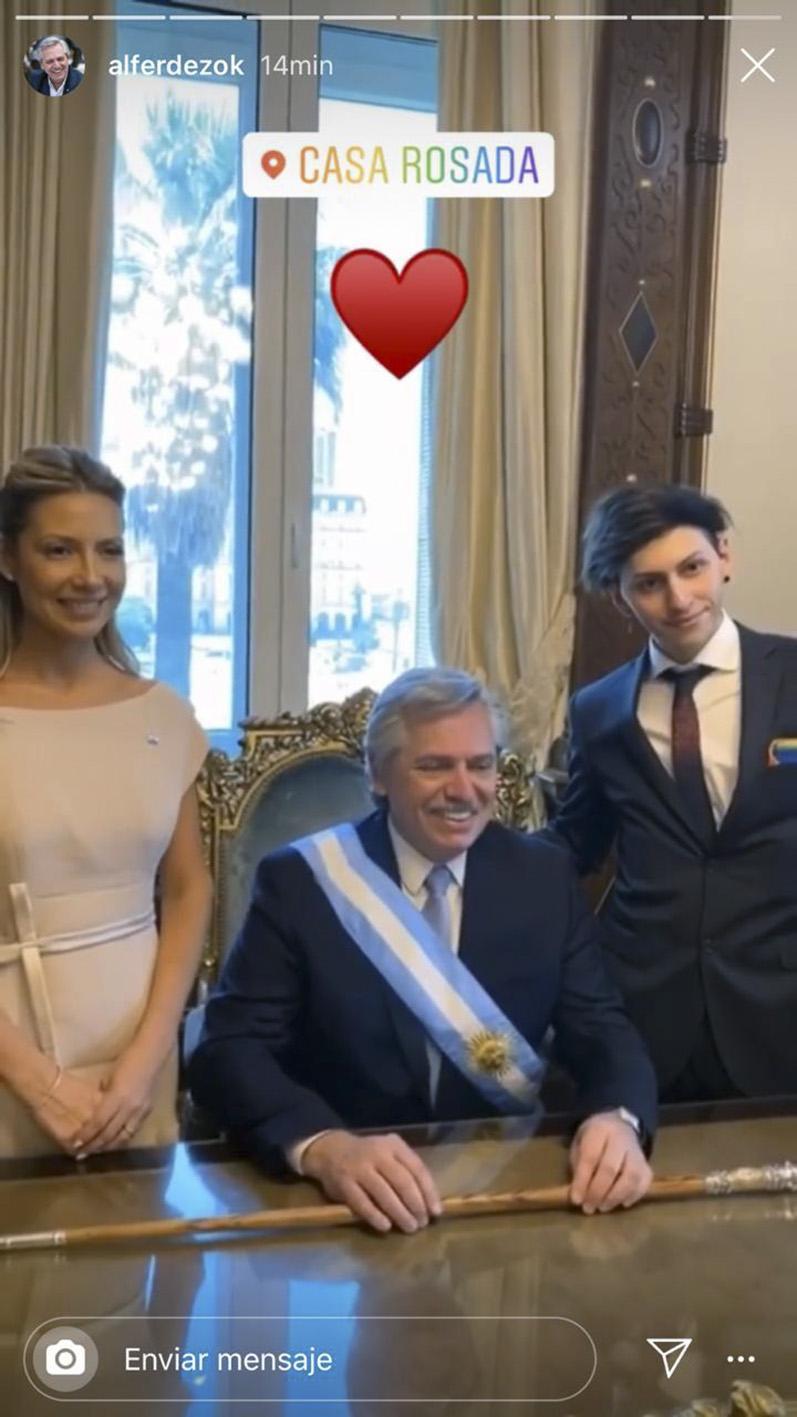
(54, 1084)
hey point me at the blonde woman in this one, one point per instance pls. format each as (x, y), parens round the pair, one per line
(97, 770)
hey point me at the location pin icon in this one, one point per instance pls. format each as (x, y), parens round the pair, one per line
(272, 162)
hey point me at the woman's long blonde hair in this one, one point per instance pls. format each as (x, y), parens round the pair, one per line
(46, 472)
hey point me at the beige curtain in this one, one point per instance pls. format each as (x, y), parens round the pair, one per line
(504, 507)
(56, 171)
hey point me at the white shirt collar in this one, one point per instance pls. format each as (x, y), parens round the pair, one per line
(723, 651)
(414, 867)
(54, 92)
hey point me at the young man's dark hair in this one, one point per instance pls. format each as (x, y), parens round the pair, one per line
(628, 517)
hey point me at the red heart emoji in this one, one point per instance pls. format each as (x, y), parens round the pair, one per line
(399, 318)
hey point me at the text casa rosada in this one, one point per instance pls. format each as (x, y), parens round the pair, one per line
(349, 166)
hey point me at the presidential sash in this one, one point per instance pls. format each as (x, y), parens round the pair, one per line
(451, 1005)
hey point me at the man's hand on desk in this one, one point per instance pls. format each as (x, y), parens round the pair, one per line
(609, 1166)
(379, 1178)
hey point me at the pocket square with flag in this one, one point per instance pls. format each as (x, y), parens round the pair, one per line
(782, 752)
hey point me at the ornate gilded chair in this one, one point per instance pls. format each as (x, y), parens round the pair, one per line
(295, 775)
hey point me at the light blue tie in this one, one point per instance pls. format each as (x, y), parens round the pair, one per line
(437, 913)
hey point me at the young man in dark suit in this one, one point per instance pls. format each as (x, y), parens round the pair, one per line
(331, 1017)
(685, 761)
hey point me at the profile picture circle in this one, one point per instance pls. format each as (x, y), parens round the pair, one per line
(54, 66)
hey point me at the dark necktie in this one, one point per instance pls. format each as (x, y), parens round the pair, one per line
(437, 913)
(687, 761)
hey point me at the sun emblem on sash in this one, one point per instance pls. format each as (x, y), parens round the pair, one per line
(489, 1052)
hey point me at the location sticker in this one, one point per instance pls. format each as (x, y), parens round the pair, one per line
(273, 162)
(381, 158)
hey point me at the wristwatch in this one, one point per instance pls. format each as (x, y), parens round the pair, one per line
(626, 1116)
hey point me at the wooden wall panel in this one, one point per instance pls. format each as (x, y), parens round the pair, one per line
(654, 200)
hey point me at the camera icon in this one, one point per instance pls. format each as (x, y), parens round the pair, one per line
(65, 1359)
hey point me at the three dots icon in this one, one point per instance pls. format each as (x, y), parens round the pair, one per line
(741, 1358)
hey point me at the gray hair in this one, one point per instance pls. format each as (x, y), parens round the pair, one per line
(50, 39)
(424, 694)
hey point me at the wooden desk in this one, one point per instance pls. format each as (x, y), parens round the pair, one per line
(721, 1272)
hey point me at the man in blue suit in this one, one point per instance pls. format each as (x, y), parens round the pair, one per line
(685, 761)
(407, 970)
(56, 76)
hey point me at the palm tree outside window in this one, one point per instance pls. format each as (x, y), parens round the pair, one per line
(177, 393)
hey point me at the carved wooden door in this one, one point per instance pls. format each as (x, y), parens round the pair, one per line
(653, 218)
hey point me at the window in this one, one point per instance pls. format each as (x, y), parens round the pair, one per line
(276, 530)
(368, 427)
(177, 390)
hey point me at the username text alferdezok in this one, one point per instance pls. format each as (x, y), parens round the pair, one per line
(177, 66)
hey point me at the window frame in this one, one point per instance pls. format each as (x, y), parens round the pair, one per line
(283, 300)
(249, 88)
(281, 545)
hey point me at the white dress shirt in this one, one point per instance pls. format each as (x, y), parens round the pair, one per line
(413, 869)
(718, 701)
(54, 92)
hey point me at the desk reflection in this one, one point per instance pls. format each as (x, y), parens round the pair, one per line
(717, 1271)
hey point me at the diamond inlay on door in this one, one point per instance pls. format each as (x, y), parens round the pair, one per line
(638, 333)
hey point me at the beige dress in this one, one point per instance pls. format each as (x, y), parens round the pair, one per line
(88, 803)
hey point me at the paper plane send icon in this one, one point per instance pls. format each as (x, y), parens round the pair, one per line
(671, 1351)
